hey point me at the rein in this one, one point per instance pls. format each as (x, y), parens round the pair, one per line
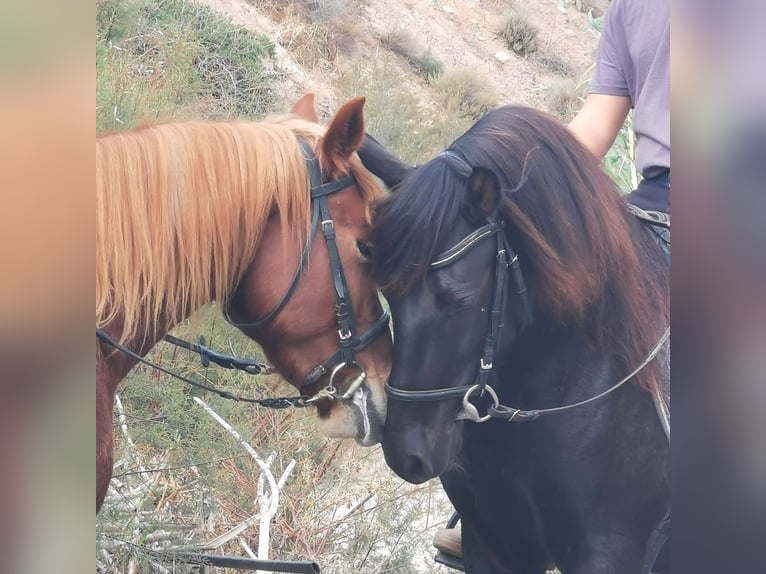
(272, 403)
(499, 411)
(505, 259)
(207, 356)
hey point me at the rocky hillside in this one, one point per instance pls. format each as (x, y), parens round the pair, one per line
(429, 68)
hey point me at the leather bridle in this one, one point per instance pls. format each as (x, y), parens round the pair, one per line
(505, 259)
(350, 342)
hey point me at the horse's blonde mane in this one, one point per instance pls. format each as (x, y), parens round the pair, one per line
(180, 209)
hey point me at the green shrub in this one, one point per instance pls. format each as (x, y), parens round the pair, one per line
(428, 66)
(158, 59)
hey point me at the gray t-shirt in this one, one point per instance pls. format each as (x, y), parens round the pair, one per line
(634, 61)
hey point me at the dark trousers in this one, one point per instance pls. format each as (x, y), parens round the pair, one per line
(653, 194)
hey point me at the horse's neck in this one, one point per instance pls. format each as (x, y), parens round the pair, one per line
(545, 356)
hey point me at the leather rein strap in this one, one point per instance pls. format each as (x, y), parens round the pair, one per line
(207, 356)
(272, 403)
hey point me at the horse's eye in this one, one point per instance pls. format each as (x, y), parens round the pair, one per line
(364, 249)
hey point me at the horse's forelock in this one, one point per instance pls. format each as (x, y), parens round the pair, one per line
(408, 224)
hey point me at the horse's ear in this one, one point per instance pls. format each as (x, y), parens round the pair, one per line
(484, 190)
(345, 132)
(305, 109)
(383, 163)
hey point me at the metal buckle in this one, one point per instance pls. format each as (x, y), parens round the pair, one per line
(344, 335)
(470, 412)
(484, 365)
(326, 393)
(331, 392)
(356, 383)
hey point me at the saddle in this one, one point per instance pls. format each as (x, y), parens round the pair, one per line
(657, 218)
(658, 223)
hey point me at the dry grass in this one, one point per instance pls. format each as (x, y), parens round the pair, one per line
(340, 507)
(519, 33)
(311, 45)
(554, 64)
(465, 92)
(413, 48)
(564, 97)
(329, 11)
(316, 32)
(347, 36)
(320, 11)
(404, 42)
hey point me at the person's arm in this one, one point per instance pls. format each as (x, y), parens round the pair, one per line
(599, 121)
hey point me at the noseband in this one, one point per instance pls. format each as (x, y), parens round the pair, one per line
(350, 342)
(505, 260)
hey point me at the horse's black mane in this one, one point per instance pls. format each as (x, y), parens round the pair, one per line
(584, 257)
(429, 201)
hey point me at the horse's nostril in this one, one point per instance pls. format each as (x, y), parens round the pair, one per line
(415, 469)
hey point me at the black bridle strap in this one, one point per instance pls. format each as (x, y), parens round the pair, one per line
(471, 240)
(290, 288)
(344, 315)
(424, 396)
(208, 356)
(325, 189)
(504, 259)
(318, 190)
(272, 403)
(496, 309)
(359, 343)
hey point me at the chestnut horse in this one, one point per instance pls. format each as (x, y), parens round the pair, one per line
(190, 213)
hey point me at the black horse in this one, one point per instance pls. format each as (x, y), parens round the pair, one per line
(516, 276)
